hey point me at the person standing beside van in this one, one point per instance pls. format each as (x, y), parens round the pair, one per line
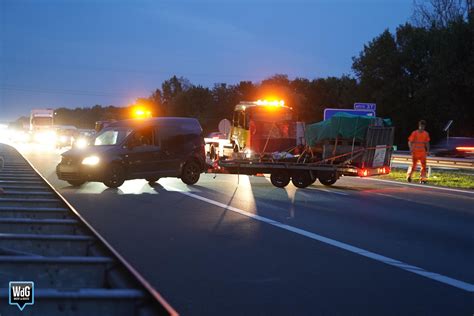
(419, 144)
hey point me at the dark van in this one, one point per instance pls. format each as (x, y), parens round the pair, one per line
(138, 149)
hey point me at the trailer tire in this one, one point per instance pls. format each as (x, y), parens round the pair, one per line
(327, 181)
(280, 179)
(301, 179)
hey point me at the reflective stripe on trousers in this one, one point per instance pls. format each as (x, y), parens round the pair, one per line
(421, 157)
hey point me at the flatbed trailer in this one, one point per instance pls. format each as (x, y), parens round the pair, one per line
(369, 159)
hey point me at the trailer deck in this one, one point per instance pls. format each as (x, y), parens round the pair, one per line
(369, 159)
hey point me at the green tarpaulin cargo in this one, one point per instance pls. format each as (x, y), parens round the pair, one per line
(341, 126)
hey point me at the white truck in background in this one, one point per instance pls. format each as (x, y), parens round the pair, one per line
(42, 126)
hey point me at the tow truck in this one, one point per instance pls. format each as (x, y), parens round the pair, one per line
(42, 126)
(257, 126)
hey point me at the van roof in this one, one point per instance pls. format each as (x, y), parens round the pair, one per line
(137, 122)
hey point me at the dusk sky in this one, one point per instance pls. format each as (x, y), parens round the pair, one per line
(80, 53)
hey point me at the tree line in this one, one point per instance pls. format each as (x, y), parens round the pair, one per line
(423, 70)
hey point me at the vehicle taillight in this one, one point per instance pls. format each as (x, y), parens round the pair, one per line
(363, 172)
(465, 148)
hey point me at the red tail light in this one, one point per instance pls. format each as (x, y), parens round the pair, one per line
(363, 172)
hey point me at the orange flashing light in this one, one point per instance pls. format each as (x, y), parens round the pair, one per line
(271, 102)
(141, 113)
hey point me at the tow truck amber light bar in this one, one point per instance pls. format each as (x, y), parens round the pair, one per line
(272, 103)
(463, 148)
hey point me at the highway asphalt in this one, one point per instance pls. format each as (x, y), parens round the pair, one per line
(239, 246)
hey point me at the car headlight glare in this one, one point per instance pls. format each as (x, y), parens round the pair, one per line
(81, 143)
(91, 161)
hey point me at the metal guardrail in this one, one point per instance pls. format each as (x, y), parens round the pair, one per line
(444, 162)
(76, 272)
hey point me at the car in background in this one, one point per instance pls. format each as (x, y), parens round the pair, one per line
(65, 136)
(84, 138)
(149, 149)
(454, 147)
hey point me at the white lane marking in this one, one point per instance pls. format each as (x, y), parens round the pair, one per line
(421, 185)
(359, 251)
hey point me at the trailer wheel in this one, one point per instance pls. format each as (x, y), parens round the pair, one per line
(280, 179)
(301, 179)
(328, 181)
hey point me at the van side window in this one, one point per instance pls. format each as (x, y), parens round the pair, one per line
(157, 138)
(167, 136)
(143, 137)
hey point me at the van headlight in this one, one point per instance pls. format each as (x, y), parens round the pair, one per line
(91, 160)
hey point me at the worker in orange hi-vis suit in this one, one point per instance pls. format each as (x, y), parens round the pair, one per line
(419, 143)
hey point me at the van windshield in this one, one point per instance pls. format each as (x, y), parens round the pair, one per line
(111, 136)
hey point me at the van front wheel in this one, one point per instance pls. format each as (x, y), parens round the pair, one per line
(114, 176)
(191, 173)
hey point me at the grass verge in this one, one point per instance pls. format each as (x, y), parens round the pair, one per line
(451, 179)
